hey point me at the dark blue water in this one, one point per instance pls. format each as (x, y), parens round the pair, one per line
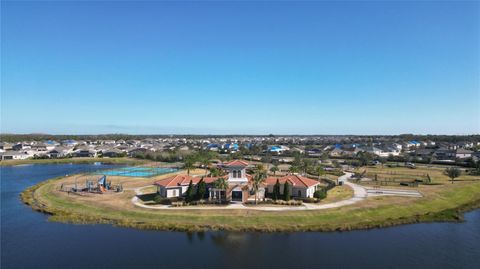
(28, 240)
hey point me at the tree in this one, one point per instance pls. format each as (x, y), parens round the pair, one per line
(305, 165)
(205, 162)
(258, 180)
(220, 184)
(260, 168)
(274, 169)
(293, 169)
(189, 196)
(383, 161)
(453, 172)
(276, 190)
(215, 172)
(365, 158)
(297, 159)
(319, 170)
(267, 158)
(189, 163)
(286, 190)
(201, 189)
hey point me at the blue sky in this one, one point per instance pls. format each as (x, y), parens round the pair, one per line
(379, 67)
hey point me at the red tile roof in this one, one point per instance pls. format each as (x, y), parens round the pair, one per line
(177, 180)
(236, 163)
(294, 180)
(209, 180)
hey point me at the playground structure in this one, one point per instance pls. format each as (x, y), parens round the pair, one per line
(95, 180)
(92, 185)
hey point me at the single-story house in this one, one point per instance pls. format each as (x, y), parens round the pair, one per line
(112, 153)
(301, 187)
(463, 154)
(59, 152)
(14, 155)
(85, 153)
(444, 154)
(176, 186)
(5, 146)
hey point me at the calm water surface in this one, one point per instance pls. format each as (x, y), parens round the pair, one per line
(28, 240)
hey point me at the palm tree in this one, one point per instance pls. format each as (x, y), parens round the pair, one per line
(305, 165)
(274, 169)
(189, 164)
(205, 162)
(293, 169)
(258, 180)
(220, 184)
(319, 170)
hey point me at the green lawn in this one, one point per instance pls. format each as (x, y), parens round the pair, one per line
(441, 203)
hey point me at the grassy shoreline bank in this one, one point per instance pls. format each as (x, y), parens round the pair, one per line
(448, 204)
(123, 160)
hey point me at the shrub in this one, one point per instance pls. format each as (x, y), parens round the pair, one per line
(166, 201)
(291, 202)
(178, 204)
(190, 193)
(276, 190)
(310, 200)
(286, 190)
(266, 202)
(320, 194)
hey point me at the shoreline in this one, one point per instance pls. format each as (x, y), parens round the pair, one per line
(120, 160)
(186, 221)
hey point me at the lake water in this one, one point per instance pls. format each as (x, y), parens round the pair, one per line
(28, 240)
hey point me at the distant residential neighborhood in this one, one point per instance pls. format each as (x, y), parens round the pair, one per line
(458, 150)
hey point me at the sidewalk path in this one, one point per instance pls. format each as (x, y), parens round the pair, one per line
(359, 193)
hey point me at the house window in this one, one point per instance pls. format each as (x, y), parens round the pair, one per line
(299, 193)
(174, 192)
(234, 173)
(239, 173)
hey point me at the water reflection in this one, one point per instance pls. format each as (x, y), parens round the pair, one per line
(435, 245)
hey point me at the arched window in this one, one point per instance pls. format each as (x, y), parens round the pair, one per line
(234, 173)
(239, 173)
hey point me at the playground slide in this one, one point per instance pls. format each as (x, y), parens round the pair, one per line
(102, 189)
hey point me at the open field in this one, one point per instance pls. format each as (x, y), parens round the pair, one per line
(443, 202)
(407, 174)
(124, 160)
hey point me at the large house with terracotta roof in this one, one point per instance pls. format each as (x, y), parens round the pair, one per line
(239, 184)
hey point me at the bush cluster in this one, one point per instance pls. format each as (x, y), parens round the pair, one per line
(309, 200)
(166, 201)
(320, 194)
(283, 202)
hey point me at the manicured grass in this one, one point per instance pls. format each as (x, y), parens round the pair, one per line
(75, 160)
(441, 203)
(338, 193)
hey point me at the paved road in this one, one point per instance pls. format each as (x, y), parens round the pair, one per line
(359, 193)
